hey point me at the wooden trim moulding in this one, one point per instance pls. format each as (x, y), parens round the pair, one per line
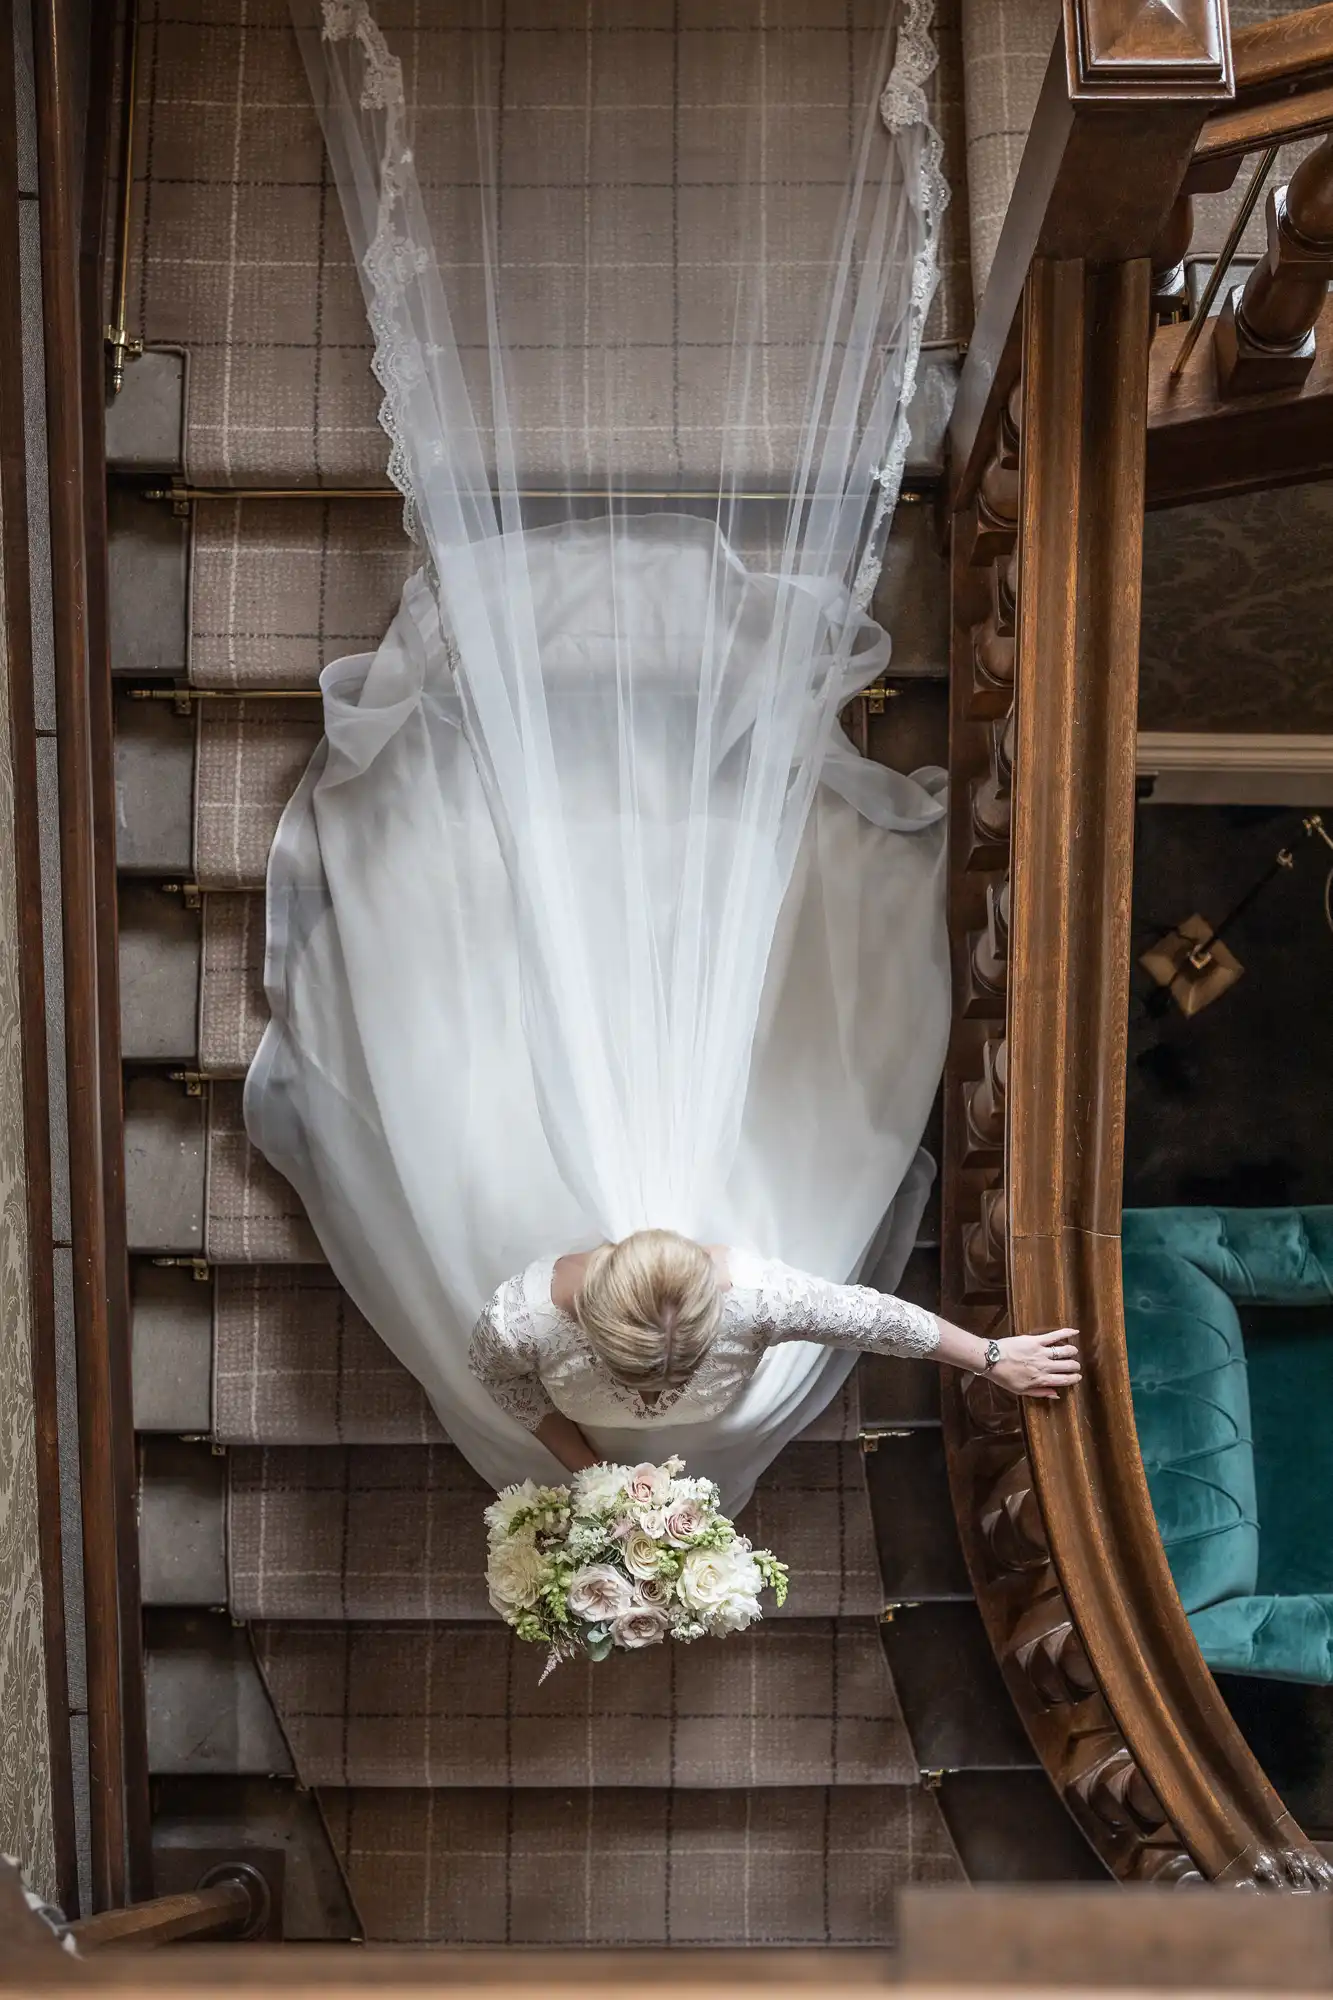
(17, 640)
(107, 43)
(79, 733)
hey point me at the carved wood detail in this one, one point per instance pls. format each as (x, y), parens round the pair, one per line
(983, 1104)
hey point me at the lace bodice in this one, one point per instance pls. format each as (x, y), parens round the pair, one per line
(534, 1358)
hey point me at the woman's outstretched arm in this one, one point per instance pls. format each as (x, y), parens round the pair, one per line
(795, 1306)
(1030, 1364)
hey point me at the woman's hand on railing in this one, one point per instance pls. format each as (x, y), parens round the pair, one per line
(1039, 1364)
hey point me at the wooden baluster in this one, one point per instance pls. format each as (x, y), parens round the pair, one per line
(992, 795)
(990, 951)
(1010, 1521)
(998, 490)
(1004, 594)
(985, 1247)
(1051, 1653)
(983, 1103)
(1266, 339)
(992, 668)
(1169, 294)
(1106, 1778)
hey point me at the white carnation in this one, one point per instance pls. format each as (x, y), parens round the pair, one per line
(733, 1614)
(512, 1500)
(515, 1573)
(599, 1489)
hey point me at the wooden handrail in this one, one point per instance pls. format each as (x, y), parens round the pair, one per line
(224, 1908)
(1284, 90)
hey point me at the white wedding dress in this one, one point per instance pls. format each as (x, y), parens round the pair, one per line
(586, 916)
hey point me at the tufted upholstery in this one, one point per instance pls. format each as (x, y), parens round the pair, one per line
(1229, 1322)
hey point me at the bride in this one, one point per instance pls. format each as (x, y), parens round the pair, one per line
(592, 942)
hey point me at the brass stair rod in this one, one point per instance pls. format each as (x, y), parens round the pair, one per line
(1223, 264)
(185, 493)
(188, 694)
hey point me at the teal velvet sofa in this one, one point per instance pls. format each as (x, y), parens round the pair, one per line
(1236, 1428)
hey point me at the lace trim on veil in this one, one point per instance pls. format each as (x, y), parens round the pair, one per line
(902, 106)
(393, 261)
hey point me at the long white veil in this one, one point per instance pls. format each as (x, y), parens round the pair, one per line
(648, 681)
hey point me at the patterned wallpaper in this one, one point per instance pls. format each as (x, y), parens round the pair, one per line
(26, 1829)
(1238, 614)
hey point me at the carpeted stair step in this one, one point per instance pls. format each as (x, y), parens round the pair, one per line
(254, 275)
(620, 1866)
(253, 1214)
(793, 1702)
(295, 1363)
(379, 1532)
(249, 760)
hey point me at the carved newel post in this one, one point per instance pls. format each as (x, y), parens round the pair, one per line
(1265, 337)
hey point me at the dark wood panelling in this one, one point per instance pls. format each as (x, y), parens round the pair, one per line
(98, 139)
(31, 964)
(59, 119)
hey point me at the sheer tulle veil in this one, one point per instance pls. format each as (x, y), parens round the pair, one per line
(646, 666)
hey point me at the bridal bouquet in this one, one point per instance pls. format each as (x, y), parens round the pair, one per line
(626, 1556)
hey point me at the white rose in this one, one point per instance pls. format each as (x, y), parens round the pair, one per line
(648, 1485)
(598, 1489)
(598, 1593)
(684, 1521)
(706, 1577)
(652, 1520)
(508, 1503)
(640, 1554)
(641, 1625)
(515, 1573)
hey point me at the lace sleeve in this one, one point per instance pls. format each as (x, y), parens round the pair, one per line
(793, 1306)
(506, 1363)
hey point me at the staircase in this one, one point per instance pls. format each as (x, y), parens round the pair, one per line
(325, 1680)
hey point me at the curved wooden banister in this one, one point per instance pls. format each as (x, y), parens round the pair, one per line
(1052, 1501)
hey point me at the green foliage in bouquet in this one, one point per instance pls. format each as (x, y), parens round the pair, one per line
(624, 1557)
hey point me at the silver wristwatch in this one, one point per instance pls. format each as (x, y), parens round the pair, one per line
(992, 1354)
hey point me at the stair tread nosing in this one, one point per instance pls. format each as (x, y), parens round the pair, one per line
(626, 1866)
(377, 1532)
(791, 1702)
